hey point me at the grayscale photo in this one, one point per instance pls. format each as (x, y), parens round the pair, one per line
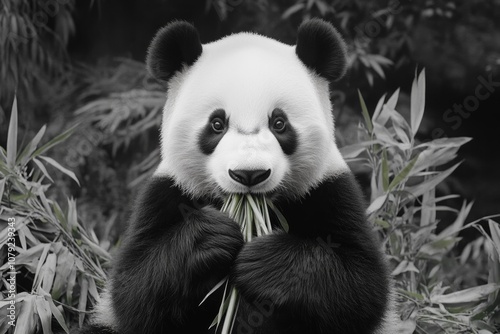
(249, 167)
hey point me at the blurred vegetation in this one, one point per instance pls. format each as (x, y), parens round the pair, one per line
(34, 36)
(72, 66)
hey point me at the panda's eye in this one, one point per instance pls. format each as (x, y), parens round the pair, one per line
(217, 125)
(279, 124)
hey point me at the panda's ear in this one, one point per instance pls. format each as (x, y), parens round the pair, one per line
(174, 45)
(321, 48)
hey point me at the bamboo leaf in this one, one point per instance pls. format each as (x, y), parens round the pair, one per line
(414, 295)
(417, 101)
(385, 171)
(2, 187)
(41, 260)
(440, 246)
(365, 113)
(65, 262)
(376, 204)
(82, 302)
(384, 136)
(29, 258)
(378, 108)
(61, 168)
(42, 168)
(292, 10)
(57, 314)
(93, 289)
(354, 150)
(49, 271)
(281, 218)
(474, 294)
(96, 249)
(12, 136)
(403, 267)
(419, 189)
(369, 76)
(71, 284)
(377, 68)
(445, 142)
(403, 174)
(400, 126)
(382, 60)
(428, 210)
(72, 215)
(494, 257)
(434, 158)
(459, 222)
(231, 309)
(217, 286)
(23, 158)
(222, 309)
(495, 234)
(54, 141)
(26, 318)
(44, 313)
(257, 214)
(4, 324)
(393, 100)
(382, 223)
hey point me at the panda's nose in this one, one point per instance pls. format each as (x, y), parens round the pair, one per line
(249, 177)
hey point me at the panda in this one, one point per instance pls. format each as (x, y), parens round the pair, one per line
(248, 114)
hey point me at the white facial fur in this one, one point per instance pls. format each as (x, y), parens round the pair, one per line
(248, 76)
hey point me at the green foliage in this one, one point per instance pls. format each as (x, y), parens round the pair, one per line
(427, 263)
(59, 264)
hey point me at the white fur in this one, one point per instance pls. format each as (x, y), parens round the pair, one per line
(248, 76)
(391, 323)
(103, 312)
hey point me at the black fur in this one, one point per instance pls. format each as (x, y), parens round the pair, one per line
(208, 139)
(326, 275)
(287, 138)
(174, 253)
(174, 45)
(90, 329)
(321, 48)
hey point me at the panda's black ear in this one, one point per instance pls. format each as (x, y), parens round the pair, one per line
(174, 45)
(321, 48)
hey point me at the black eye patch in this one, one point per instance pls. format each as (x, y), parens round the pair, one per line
(213, 131)
(283, 131)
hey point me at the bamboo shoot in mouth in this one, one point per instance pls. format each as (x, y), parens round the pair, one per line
(251, 213)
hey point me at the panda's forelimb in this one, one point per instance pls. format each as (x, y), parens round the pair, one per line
(328, 271)
(174, 252)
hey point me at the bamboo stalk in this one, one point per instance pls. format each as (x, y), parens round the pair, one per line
(252, 214)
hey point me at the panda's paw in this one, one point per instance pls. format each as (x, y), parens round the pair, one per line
(262, 270)
(216, 242)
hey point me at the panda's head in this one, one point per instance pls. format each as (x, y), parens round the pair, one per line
(247, 113)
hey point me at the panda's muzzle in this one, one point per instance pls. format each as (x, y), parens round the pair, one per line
(249, 177)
